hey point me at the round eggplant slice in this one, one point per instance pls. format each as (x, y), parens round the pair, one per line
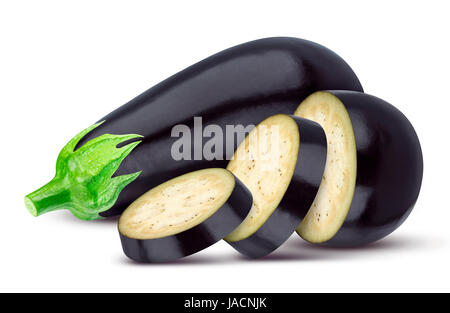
(373, 172)
(281, 161)
(183, 215)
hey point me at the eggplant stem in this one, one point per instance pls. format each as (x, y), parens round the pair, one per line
(50, 197)
(84, 182)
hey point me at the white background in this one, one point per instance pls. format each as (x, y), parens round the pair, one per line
(65, 64)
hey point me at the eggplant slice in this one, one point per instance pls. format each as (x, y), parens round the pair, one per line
(281, 161)
(183, 215)
(373, 171)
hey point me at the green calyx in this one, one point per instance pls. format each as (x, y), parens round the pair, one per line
(83, 183)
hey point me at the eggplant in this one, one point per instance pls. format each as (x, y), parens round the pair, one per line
(183, 215)
(281, 162)
(373, 173)
(239, 87)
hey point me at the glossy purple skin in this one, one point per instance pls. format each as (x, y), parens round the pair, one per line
(389, 170)
(193, 240)
(298, 198)
(241, 85)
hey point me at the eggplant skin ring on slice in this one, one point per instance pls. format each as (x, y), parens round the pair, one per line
(374, 169)
(281, 161)
(183, 215)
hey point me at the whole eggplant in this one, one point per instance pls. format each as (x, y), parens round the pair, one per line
(242, 85)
